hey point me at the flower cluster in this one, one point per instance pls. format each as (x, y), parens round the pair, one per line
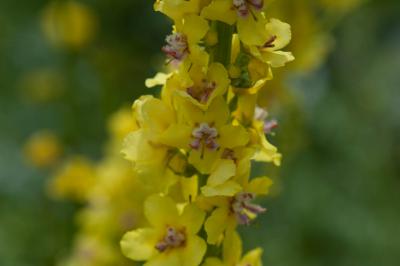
(193, 146)
(110, 196)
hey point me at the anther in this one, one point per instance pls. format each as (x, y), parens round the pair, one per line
(204, 136)
(172, 239)
(242, 207)
(176, 47)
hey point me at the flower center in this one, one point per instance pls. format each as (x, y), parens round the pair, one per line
(261, 114)
(243, 209)
(243, 6)
(172, 239)
(204, 136)
(176, 47)
(202, 92)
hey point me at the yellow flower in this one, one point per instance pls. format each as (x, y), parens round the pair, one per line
(204, 134)
(278, 36)
(69, 24)
(249, 74)
(232, 254)
(121, 124)
(177, 9)
(247, 14)
(43, 149)
(74, 180)
(266, 152)
(90, 250)
(199, 86)
(232, 170)
(143, 147)
(171, 240)
(184, 42)
(159, 79)
(232, 211)
(248, 114)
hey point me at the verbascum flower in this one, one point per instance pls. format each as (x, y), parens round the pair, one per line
(69, 24)
(184, 42)
(246, 15)
(43, 149)
(200, 85)
(278, 36)
(204, 134)
(111, 205)
(236, 210)
(171, 240)
(74, 180)
(176, 9)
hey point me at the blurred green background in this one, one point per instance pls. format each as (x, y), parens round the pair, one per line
(337, 198)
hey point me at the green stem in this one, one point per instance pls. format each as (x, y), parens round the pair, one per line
(224, 46)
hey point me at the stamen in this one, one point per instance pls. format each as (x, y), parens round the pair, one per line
(261, 114)
(241, 7)
(176, 47)
(257, 4)
(269, 126)
(204, 136)
(242, 207)
(172, 239)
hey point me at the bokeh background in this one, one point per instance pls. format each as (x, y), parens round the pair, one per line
(66, 66)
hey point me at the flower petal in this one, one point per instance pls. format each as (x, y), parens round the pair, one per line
(223, 171)
(198, 55)
(233, 136)
(159, 79)
(232, 248)
(253, 257)
(195, 28)
(216, 224)
(192, 218)
(280, 31)
(189, 187)
(228, 189)
(259, 185)
(203, 161)
(220, 10)
(177, 135)
(160, 211)
(139, 244)
(252, 32)
(218, 112)
(137, 148)
(267, 152)
(193, 252)
(277, 58)
(166, 258)
(218, 74)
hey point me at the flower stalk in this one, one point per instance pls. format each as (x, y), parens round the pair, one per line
(194, 144)
(224, 46)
